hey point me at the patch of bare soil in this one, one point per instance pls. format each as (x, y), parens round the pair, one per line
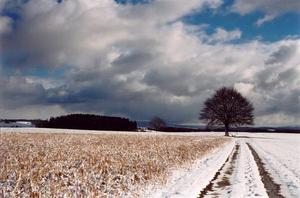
(271, 187)
(221, 179)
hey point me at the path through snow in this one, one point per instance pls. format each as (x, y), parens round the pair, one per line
(187, 183)
(236, 171)
(239, 176)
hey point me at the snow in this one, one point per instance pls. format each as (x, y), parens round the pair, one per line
(245, 179)
(281, 154)
(188, 182)
(246, 182)
(279, 151)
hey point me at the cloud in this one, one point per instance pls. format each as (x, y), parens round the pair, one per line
(265, 19)
(17, 92)
(244, 88)
(283, 54)
(271, 8)
(138, 61)
(222, 35)
(5, 25)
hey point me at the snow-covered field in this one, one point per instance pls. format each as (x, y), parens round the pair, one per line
(281, 154)
(239, 175)
(249, 165)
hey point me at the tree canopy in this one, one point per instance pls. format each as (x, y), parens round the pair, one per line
(227, 107)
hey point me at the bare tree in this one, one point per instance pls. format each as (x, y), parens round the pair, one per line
(157, 123)
(227, 107)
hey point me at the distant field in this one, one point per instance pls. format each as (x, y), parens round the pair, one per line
(108, 164)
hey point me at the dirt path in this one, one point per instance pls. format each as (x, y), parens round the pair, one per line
(272, 188)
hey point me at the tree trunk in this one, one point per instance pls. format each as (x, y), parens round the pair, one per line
(226, 130)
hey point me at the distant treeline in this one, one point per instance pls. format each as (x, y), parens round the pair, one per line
(178, 129)
(239, 129)
(89, 122)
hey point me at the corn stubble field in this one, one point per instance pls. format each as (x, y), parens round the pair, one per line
(47, 165)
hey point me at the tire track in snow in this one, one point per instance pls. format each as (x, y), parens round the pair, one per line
(186, 183)
(247, 181)
(221, 180)
(286, 166)
(289, 181)
(272, 188)
(238, 176)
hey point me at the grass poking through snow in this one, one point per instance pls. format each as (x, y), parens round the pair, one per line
(47, 165)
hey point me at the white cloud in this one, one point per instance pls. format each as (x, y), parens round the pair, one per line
(265, 19)
(5, 25)
(244, 88)
(221, 35)
(271, 8)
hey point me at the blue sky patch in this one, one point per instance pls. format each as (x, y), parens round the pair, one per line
(279, 28)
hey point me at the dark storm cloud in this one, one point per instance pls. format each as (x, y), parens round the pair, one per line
(283, 54)
(131, 62)
(16, 92)
(182, 82)
(285, 102)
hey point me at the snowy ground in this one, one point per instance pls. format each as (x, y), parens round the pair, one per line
(281, 154)
(251, 165)
(233, 171)
(188, 182)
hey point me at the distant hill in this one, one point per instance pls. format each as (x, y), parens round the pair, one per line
(89, 122)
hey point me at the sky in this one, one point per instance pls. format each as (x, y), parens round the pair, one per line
(146, 58)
